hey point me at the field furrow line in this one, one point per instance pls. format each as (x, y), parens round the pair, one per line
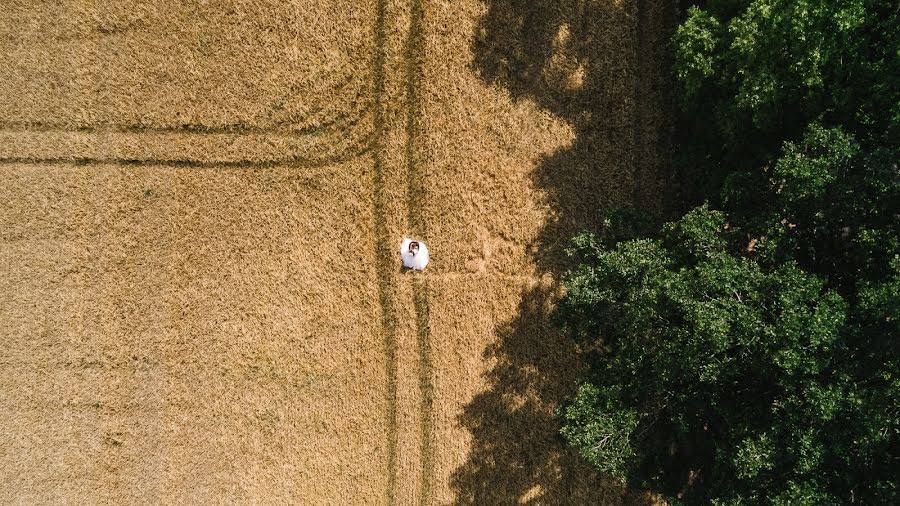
(417, 199)
(383, 255)
(293, 162)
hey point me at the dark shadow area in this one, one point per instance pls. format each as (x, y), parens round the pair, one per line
(516, 457)
(603, 66)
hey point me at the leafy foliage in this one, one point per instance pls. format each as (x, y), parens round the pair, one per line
(749, 379)
(747, 353)
(756, 73)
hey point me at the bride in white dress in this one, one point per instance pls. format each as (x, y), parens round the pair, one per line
(414, 254)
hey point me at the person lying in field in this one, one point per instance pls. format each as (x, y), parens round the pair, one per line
(414, 254)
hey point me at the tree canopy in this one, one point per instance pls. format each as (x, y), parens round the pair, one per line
(747, 353)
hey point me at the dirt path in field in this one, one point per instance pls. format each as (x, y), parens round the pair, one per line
(417, 202)
(383, 253)
(397, 118)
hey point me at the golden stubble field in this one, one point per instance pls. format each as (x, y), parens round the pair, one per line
(200, 299)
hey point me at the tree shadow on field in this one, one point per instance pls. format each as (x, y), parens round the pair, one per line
(600, 65)
(516, 456)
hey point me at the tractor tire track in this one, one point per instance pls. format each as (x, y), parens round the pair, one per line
(418, 226)
(384, 258)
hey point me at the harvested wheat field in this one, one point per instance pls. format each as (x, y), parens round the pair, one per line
(200, 294)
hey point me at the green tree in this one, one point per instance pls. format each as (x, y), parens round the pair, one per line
(747, 353)
(755, 73)
(722, 380)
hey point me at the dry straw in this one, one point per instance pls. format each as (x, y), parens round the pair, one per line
(200, 297)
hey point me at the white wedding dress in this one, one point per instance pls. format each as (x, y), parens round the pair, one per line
(417, 261)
